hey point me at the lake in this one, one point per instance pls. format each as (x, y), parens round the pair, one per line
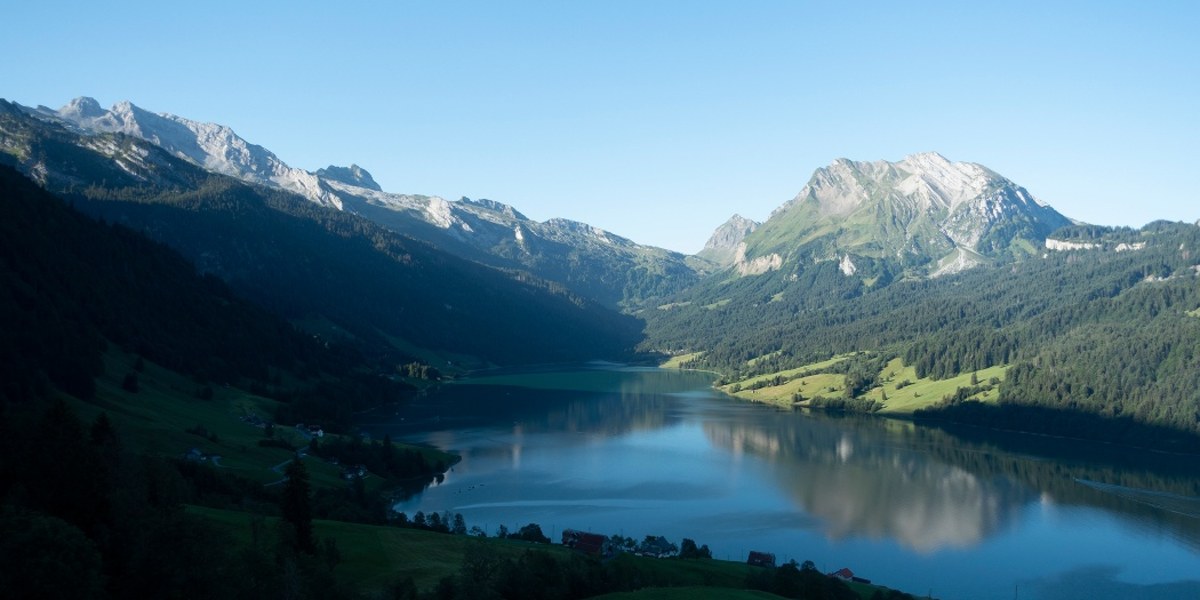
(958, 513)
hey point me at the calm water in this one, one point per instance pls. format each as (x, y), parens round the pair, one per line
(644, 451)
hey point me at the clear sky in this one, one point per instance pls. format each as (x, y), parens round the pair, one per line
(655, 120)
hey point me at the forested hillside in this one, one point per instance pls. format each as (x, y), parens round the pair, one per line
(1102, 331)
(71, 285)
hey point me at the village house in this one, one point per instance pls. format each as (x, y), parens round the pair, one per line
(845, 574)
(656, 547)
(592, 544)
(761, 559)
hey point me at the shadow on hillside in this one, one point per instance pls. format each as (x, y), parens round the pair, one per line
(1060, 423)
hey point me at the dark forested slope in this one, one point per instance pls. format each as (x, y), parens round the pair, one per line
(309, 262)
(70, 285)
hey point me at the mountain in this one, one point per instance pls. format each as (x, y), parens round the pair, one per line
(353, 175)
(724, 246)
(214, 147)
(925, 214)
(894, 286)
(345, 278)
(598, 264)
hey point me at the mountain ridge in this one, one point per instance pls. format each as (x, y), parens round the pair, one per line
(611, 269)
(310, 262)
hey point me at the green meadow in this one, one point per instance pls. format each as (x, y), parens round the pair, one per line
(900, 392)
(170, 414)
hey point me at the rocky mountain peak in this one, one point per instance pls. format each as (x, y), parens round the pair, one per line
(915, 211)
(210, 145)
(723, 245)
(83, 107)
(352, 175)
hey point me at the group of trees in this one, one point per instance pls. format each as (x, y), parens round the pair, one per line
(540, 575)
(437, 523)
(800, 580)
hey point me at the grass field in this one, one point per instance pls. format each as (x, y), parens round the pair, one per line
(676, 362)
(804, 383)
(161, 417)
(922, 393)
(375, 557)
(830, 385)
(905, 392)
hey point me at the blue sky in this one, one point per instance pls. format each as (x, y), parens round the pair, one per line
(656, 120)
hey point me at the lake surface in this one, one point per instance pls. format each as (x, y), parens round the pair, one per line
(962, 514)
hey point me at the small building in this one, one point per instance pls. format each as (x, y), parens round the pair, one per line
(761, 559)
(592, 544)
(844, 574)
(657, 547)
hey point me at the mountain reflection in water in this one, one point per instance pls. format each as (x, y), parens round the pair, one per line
(858, 480)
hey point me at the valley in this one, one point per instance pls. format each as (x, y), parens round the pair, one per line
(178, 301)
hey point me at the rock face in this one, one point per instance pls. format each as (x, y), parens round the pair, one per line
(215, 147)
(917, 212)
(352, 175)
(722, 247)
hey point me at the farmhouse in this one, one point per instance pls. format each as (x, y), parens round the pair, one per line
(657, 547)
(761, 559)
(592, 544)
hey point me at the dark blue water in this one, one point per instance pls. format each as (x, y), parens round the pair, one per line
(959, 514)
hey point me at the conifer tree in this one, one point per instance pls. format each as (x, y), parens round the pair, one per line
(296, 505)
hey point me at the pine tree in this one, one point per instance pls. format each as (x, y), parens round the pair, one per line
(296, 505)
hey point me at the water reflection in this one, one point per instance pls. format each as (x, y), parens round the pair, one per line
(868, 478)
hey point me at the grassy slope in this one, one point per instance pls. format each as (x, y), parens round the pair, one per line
(807, 384)
(156, 419)
(919, 393)
(676, 362)
(927, 392)
(374, 557)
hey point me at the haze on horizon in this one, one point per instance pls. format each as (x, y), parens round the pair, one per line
(657, 122)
